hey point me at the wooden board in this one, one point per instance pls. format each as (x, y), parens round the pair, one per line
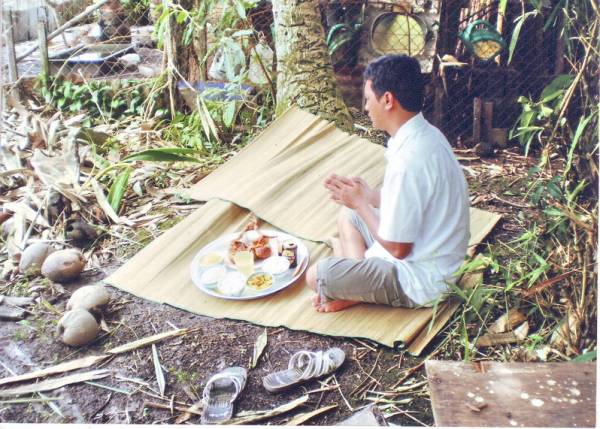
(559, 394)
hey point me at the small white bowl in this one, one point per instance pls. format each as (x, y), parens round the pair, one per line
(276, 265)
(211, 276)
(232, 284)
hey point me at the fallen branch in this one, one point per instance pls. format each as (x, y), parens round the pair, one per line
(265, 414)
(63, 367)
(17, 301)
(518, 335)
(55, 383)
(158, 406)
(510, 203)
(149, 340)
(28, 400)
(304, 417)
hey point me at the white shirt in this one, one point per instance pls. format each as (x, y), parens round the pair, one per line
(424, 200)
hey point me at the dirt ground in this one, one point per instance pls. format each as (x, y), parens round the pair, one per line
(127, 395)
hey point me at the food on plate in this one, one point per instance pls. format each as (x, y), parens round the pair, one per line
(260, 281)
(236, 246)
(213, 275)
(212, 258)
(261, 247)
(232, 284)
(290, 251)
(252, 223)
(252, 236)
(276, 265)
(244, 262)
(262, 252)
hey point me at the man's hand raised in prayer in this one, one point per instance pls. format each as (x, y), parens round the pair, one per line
(348, 192)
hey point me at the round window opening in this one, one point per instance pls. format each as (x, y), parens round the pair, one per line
(395, 33)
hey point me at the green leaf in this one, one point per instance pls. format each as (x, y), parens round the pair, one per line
(181, 17)
(339, 42)
(580, 129)
(240, 9)
(163, 154)
(229, 114)
(586, 357)
(558, 84)
(337, 28)
(502, 7)
(118, 189)
(515, 35)
(243, 33)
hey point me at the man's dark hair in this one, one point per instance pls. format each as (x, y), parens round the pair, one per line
(400, 75)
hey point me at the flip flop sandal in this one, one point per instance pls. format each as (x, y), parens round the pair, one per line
(219, 394)
(303, 366)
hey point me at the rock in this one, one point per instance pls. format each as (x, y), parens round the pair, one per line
(370, 416)
(63, 265)
(90, 298)
(142, 36)
(130, 61)
(148, 71)
(33, 257)
(11, 313)
(78, 327)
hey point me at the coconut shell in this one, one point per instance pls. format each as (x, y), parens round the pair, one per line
(63, 265)
(33, 257)
(78, 327)
(90, 298)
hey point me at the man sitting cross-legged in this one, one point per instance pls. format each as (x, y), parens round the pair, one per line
(398, 245)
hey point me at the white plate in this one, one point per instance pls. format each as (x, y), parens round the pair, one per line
(280, 282)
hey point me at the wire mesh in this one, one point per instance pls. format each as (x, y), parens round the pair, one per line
(116, 41)
(113, 39)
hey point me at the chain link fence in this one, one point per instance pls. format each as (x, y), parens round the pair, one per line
(472, 93)
(84, 39)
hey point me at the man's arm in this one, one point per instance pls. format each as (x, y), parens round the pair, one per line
(357, 195)
(397, 250)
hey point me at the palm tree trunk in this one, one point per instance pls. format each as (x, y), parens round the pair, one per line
(305, 75)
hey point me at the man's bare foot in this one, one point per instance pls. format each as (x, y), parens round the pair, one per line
(337, 305)
(316, 300)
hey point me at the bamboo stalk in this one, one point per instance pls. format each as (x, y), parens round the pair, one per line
(43, 45)
(13, 73)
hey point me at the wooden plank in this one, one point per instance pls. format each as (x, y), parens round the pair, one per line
(488, 121)
(476, 120)
(558, 394)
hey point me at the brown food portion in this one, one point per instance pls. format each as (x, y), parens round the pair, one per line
(261, 248)
(262, 252)
(252, 224)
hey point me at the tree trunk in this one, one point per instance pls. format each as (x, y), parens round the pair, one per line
(189, 57)
(304, 72)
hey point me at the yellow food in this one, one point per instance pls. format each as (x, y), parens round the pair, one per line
(260, 281)
(211, 259)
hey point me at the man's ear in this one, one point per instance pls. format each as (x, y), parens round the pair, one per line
(388, 99)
